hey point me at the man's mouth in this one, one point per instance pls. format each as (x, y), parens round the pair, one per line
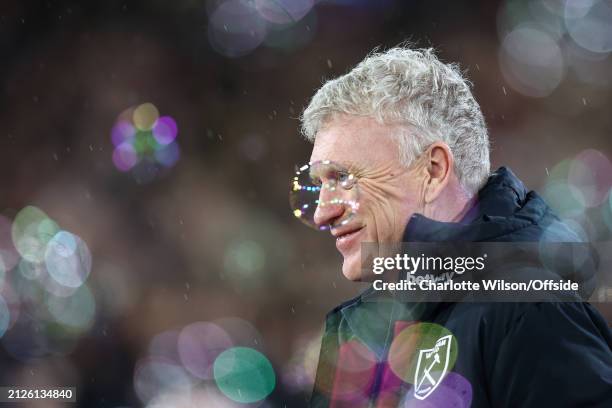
(346, 238)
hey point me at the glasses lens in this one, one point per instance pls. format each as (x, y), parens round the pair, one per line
(323, 194)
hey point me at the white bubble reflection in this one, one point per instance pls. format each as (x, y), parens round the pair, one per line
(283, 11)
(299, 373)
(591, 173)
(199, 344)
(589, 67)
(31, 231)
(68, 259)
(236, 28)
(589, 23)
(241, 332)
(155, 376)
(531, 61)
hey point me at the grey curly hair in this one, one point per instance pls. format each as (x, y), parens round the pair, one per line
(410, 87)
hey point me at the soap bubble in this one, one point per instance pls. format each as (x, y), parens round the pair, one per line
(320, 187)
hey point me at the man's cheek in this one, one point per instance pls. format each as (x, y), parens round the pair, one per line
(371, 192)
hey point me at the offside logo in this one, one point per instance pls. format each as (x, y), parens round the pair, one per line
(431, 367)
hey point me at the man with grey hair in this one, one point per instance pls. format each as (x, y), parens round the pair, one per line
(409, 134)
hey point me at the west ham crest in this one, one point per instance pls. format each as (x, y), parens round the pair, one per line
(431, 367)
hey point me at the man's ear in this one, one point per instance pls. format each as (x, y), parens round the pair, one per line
(439, 166)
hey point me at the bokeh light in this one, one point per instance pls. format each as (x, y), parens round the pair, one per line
(541, 38)
(48, 306)
(454, 391)
(323, 186)
(589, 23)
(122, 132)
(236, 28)
(125, 157)
(283, 11)
(240, 331)
(292, 37)
(12, 300)
(76, 312)
(590, 173)
(30, 270)
(8, 253)
(68, 259)
(299, 372)
(145, 116)
(32, 230)
(606, 211)
(5, 316)
(199, 344)
(562, 196)
(155, 375)
(531, 61)
(206, 397)
(168, 155)
(244, 375)
(144, 142)
(244, 259)
(354, 371)
(165, 130)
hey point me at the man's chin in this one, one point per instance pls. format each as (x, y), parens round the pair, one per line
(351, 268)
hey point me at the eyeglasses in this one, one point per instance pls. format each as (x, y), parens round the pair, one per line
(322, 191)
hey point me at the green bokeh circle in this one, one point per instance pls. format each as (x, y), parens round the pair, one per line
(244, 375)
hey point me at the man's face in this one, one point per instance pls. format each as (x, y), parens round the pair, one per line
(389, 192)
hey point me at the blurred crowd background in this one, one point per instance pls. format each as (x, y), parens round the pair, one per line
(147, 149)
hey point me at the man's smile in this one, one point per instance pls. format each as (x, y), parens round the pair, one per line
(346, 237)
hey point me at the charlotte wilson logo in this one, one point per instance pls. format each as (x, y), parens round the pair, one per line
(431, 367)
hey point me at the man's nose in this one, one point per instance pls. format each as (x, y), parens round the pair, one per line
(329, 209)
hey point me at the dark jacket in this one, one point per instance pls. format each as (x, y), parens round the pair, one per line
(538, 354)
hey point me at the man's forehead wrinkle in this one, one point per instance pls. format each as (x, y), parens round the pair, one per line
(320, 169)
(329, 145)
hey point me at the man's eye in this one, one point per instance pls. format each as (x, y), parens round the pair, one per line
(346, 179)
